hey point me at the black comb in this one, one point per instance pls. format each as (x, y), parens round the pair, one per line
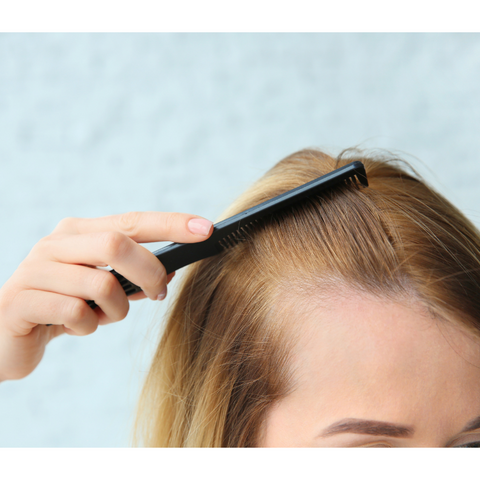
(229, 232)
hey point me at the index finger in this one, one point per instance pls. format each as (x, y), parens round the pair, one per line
(143, 227)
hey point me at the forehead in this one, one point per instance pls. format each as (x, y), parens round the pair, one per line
(361, 356)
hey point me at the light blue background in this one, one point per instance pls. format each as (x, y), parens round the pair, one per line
(98, 124)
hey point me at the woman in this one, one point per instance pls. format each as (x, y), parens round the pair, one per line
(350, 320)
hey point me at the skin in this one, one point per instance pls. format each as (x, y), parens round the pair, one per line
(376, 359)
(51, 284)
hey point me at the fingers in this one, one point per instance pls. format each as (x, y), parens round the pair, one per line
(124, 255)
(47, 298)
(39, 307)
(113, 240)
(143, 227)
(83, 282)
(56, 278)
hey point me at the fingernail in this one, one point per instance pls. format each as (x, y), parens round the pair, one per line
(200, 226)
(163, 294)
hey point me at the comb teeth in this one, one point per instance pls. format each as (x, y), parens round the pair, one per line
(237, 236)
(350, 181)
(353, 181)
(127, 286)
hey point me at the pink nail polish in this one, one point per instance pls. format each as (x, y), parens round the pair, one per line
(200, 226)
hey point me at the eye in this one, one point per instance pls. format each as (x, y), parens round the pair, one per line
(468, 445)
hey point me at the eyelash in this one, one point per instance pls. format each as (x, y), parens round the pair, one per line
(465, 445)
(469, 445)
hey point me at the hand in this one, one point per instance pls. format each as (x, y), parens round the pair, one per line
(51, 284)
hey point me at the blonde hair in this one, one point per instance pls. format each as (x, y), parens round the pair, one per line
(223, 356)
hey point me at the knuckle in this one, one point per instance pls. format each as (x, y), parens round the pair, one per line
(65, 224)
(114, 244)
(104, 284)
(129, 222)
(42, 245)
(77, 310)
(5, 301)
(23, 275)
(47, 245)
(10, 312)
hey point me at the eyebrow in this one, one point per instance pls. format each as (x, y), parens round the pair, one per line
(373, 427)
(368, 427)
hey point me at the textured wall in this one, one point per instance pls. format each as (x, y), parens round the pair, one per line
(93, 125)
